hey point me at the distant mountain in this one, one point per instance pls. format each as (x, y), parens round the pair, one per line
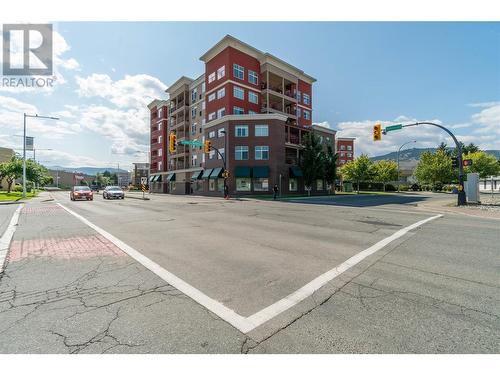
(411, 154)
(92, 171)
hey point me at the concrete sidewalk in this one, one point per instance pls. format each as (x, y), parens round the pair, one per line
(66, 289)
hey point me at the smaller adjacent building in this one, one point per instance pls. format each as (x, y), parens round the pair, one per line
(141, 170)
(345, 148)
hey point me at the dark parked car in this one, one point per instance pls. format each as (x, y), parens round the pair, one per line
(94, 188)
(113, 192)
(81, 192)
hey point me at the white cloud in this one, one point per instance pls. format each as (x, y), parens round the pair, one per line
(65, 159)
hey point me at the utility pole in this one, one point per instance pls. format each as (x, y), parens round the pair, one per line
(24, 145)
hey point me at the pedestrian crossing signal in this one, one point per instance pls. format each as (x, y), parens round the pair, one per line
(377, 132)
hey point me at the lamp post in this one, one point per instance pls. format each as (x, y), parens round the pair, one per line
(404, 144)
(24, 145)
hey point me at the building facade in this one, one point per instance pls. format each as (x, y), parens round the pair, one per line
(345, 148)
(254, 108)
(141, 170)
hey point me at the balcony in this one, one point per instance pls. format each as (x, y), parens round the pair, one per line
(180, 105)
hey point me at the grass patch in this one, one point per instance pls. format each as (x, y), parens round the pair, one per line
(14, 196)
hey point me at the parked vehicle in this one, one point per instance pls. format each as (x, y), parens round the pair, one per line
(81, 192)
(94, 188)
(113, 192)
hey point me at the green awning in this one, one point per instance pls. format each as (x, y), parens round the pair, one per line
(196, 175)
(207, 172)
(159, 178)
(261, 172)
(242, 172)
(295, 172)
(151, 178)
(155, 178)
(216, 173)
(171, 177)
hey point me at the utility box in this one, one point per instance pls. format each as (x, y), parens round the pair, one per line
(472, 187)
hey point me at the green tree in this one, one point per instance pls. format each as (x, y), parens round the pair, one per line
(434, 168)
(484, 164)
(312, 160)
(470, 148)
(331, 167)
(11, 171)
(444, 147)
(385, 171)
(37, 173)
(358, 170)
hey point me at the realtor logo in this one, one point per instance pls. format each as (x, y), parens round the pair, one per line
(27, 49)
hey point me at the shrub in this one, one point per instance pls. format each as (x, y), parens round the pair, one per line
(416, 187)
(390, 187)
(404, 188)
(438, 186)
(18, 188)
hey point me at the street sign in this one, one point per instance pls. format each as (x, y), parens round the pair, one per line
(29, 143)
(393, 127)
(144, 180)
(190, 143)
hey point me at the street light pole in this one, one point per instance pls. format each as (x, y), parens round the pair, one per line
(24, 145)
(404, 144)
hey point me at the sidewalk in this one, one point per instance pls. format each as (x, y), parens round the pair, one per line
(66, 289)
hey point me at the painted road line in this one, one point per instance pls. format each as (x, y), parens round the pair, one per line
(230, 316)
(7, 236)
(307, 290)
(241, 323)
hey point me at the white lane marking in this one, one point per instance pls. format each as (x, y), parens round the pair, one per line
(230, 316)
(241, 323)
(7, 236)
(307, 290)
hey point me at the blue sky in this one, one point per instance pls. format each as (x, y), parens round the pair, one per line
(366, 72)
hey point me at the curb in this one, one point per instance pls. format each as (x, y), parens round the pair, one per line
(140, 198)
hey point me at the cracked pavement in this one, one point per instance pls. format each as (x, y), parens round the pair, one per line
(65, 289)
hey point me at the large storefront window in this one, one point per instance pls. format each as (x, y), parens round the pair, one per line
(260, 184)
(220, 184)
(243, 184)
(211, 185)
(171, 186)
(292, 184)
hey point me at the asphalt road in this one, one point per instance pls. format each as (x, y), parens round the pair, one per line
(432, 290)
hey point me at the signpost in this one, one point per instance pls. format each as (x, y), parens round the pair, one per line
(144, 181)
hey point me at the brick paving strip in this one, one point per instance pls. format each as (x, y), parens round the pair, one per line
(67, 289)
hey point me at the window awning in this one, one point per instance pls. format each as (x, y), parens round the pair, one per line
(159, 178)
(242, 172)
(261, 172)
(151, 178)
(207, 172)
(216, 173)
(196, 175)
(171, 177)
(295, 172)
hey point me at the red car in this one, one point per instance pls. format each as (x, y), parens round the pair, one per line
(81, 192)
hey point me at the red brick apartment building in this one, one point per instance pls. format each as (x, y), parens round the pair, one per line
(253, 107)
(345, 148)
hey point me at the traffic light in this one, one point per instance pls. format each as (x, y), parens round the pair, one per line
(377, 132)
(207, 146)
(454, 162)
(172, 144)
(467, 162)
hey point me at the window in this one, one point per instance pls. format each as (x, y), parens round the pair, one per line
(306, 98)
(211, 134)
(221, 150)
(292, 184)
(160, 152)
(238, 111)
(194, 94)
(211, 97)
(211, 116)
(211, 184)
(220, 132)
(349, 155)
(193, 112)
(261, 152)
(160, 165)
(159, 139)
(261, 130)
(221, 112)
(221, 93)
(298, 95)
(319, 184)
(220, 184)
(241, 131)
(260, 184)
(252, 112)
(211, 77)
(298, 113)
(342, 147)
(342, 154)
(253, 97)
(253, 77)
(307, 115)
(321, 139)
(243, 184)
(221, 72)
(194, 160)
(349, 148)
(159, 112)
(193, 128)
(238, 71)
(159, 126)
(241, 153)
(238, 93)
(211, 154)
